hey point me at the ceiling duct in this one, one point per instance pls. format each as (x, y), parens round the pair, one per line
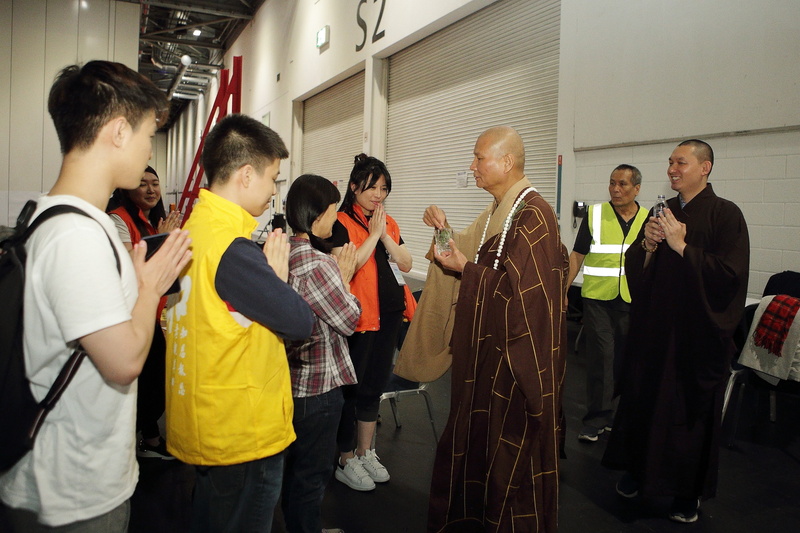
(185, 62)
(166, 34)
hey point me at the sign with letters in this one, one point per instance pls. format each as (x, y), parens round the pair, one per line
(377, 32)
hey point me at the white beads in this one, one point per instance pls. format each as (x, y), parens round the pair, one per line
(506, 227)
(483, 237)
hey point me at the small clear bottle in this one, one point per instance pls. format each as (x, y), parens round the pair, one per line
(661, 204)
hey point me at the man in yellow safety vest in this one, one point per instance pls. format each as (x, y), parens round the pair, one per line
(603, 237)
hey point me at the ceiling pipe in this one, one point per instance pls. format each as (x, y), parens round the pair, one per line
(193, 7)
(176, 81)
(190, 88)
(207, 66)
(186, 27)
(200, 74)
(184, 42)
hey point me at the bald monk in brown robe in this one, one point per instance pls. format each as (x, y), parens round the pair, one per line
(496, 465)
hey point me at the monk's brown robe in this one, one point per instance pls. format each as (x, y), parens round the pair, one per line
(684, 311)
(496, 465)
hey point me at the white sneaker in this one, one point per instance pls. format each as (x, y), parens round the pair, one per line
(374, 468)
(354, 475)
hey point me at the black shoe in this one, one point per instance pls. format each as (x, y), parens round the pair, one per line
(684, 510)
(627, 486)
(147, 451)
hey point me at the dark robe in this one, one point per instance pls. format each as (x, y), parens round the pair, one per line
(684, 312)
(496, 465)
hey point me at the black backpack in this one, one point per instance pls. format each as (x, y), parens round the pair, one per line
(21, 416)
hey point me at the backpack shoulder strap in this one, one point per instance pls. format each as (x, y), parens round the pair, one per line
(70, 368)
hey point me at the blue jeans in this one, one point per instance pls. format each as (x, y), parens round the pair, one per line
(236, 498)
(309, 460)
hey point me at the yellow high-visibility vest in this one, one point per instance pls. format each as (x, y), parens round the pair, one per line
(604, 265)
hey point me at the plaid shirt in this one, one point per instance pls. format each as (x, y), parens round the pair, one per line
(321, 362)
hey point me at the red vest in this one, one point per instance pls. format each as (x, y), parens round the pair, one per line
(136, 236)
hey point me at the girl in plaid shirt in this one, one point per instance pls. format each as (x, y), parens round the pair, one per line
(320, 364)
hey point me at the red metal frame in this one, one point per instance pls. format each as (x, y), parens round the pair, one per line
(230, 91)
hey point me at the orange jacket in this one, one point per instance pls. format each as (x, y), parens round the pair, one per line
(364, 284)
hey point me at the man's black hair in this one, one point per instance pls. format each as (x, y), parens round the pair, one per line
(239, 140)
(83, 99)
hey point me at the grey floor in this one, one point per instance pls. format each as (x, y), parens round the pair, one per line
(759, 488)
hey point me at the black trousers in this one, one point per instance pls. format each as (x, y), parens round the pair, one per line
(152, 387)
(372, 353)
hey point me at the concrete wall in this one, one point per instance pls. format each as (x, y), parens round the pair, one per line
(37, 39)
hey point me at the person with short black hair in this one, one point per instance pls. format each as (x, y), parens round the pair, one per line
(229, 393)
(320, 365)
(82, 470)
(687, 272)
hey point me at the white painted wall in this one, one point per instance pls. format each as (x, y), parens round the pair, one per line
(637, 77)
(760, 172)
(37, 39)
(652, 70)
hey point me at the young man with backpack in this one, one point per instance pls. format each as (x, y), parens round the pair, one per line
(82, 470)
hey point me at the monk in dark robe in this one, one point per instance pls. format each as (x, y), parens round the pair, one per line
(496, 466)
(687, 272)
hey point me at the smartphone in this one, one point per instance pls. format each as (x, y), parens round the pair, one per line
(154, 242)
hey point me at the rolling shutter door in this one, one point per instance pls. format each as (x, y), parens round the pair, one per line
(333, 126)
(499, 66)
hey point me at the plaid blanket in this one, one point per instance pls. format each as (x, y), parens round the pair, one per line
(775, 322)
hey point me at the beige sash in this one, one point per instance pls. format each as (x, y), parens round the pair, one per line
(425, 355)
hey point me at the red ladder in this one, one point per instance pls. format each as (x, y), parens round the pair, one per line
(230, 90)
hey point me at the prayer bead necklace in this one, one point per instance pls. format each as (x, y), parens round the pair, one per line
(506, 226)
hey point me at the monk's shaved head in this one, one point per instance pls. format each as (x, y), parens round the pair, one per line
(505, 140)
(499, 160)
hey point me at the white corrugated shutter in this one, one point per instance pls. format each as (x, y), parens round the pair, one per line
(499, 66)
(333, 126)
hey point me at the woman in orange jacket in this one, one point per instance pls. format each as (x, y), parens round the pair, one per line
(385, 301)
(138, 213)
